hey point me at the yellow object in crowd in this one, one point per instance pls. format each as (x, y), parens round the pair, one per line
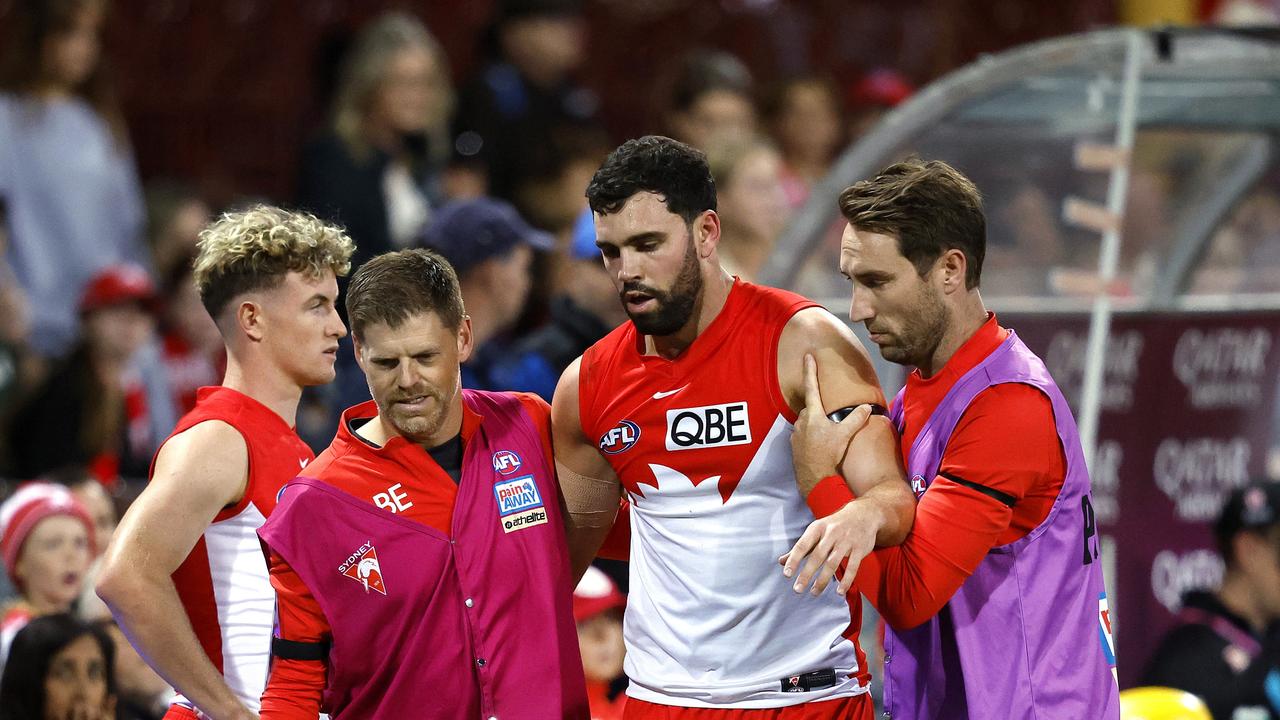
(1161, 703)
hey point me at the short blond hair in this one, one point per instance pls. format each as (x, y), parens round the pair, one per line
(255, 248)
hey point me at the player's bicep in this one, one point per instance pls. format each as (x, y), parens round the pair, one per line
(573, 450)
(846, 377)
(197, 473)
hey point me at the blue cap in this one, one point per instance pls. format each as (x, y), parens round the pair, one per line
(582, 245)
(468, 232)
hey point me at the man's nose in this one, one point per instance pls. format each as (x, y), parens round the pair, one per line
(860, 308)
(406, 376)
(629, 266)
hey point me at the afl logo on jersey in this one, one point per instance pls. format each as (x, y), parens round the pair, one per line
(620, 439)
(709, 426)
(506, 462)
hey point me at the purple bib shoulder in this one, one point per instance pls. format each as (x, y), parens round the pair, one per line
(1028, 634)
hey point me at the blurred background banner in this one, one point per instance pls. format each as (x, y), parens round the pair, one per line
(1188, 416)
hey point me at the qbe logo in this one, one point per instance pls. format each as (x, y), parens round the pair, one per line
(620, 438)
(519, 503)
(506, 462)
(709, 426)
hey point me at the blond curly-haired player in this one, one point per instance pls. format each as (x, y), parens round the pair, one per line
(185, 576)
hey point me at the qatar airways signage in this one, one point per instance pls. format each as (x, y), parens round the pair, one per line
(1197, 474)
(1065, 358)
(1223, 367)
(1189, 414)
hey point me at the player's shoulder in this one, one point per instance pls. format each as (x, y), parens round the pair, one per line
(615, 340)
(208, 438)
(537, 408)
(1017, 402)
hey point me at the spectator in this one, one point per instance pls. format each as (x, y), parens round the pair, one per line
(97, 502)
(875, 93)
(597, 609)
(143, 695)
(194, 355)
(804, 116)
(585, 311)
(376, 170)
(753, 205)
(46, 538)
(101, 408)
(520, 113)
(15, 369)
(490, 247)
(175, 216)
(1227, 647)
(712, 101)
(65, 165)
(62, 669)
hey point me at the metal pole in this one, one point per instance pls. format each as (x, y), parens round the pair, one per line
(1100, 319)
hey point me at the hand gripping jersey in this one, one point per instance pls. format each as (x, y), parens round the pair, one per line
(702, 446)
(223, 583)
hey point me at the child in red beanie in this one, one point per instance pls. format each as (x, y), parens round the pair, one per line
(597, 608)
(46, 538)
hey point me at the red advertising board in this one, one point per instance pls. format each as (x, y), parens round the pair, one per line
(1190, 407)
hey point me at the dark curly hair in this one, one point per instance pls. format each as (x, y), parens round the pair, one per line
(22, 693)
(656, 164)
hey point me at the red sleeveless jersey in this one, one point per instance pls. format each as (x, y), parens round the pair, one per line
(702, 446)
(223, 583)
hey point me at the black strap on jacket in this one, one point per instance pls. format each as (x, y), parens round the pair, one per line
(293, 650)
(1001, 497)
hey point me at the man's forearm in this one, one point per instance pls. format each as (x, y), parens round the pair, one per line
(896, 508)
(584, 543)
(152, 617)
(892, 508)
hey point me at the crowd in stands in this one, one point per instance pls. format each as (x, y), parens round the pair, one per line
(104, 341)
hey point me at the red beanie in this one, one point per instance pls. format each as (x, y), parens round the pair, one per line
(32, 503)
(595, 593)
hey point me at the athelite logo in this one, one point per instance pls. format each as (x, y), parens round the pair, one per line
(620, 438)
(506, 462)
(362, 566)
(519, 503)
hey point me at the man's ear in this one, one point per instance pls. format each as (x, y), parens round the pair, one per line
(706, 233)
(952, 266)
(358, 349)
(465, 340)
(251, 320)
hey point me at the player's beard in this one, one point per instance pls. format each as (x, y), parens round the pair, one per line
(674, 307)
(917, 334)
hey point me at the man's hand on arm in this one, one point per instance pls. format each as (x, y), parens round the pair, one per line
(838, 461)
(197, 473)
(589, 486)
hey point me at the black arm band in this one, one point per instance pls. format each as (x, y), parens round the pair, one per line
(1003, 498)
(842, 413)
(291, 650)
